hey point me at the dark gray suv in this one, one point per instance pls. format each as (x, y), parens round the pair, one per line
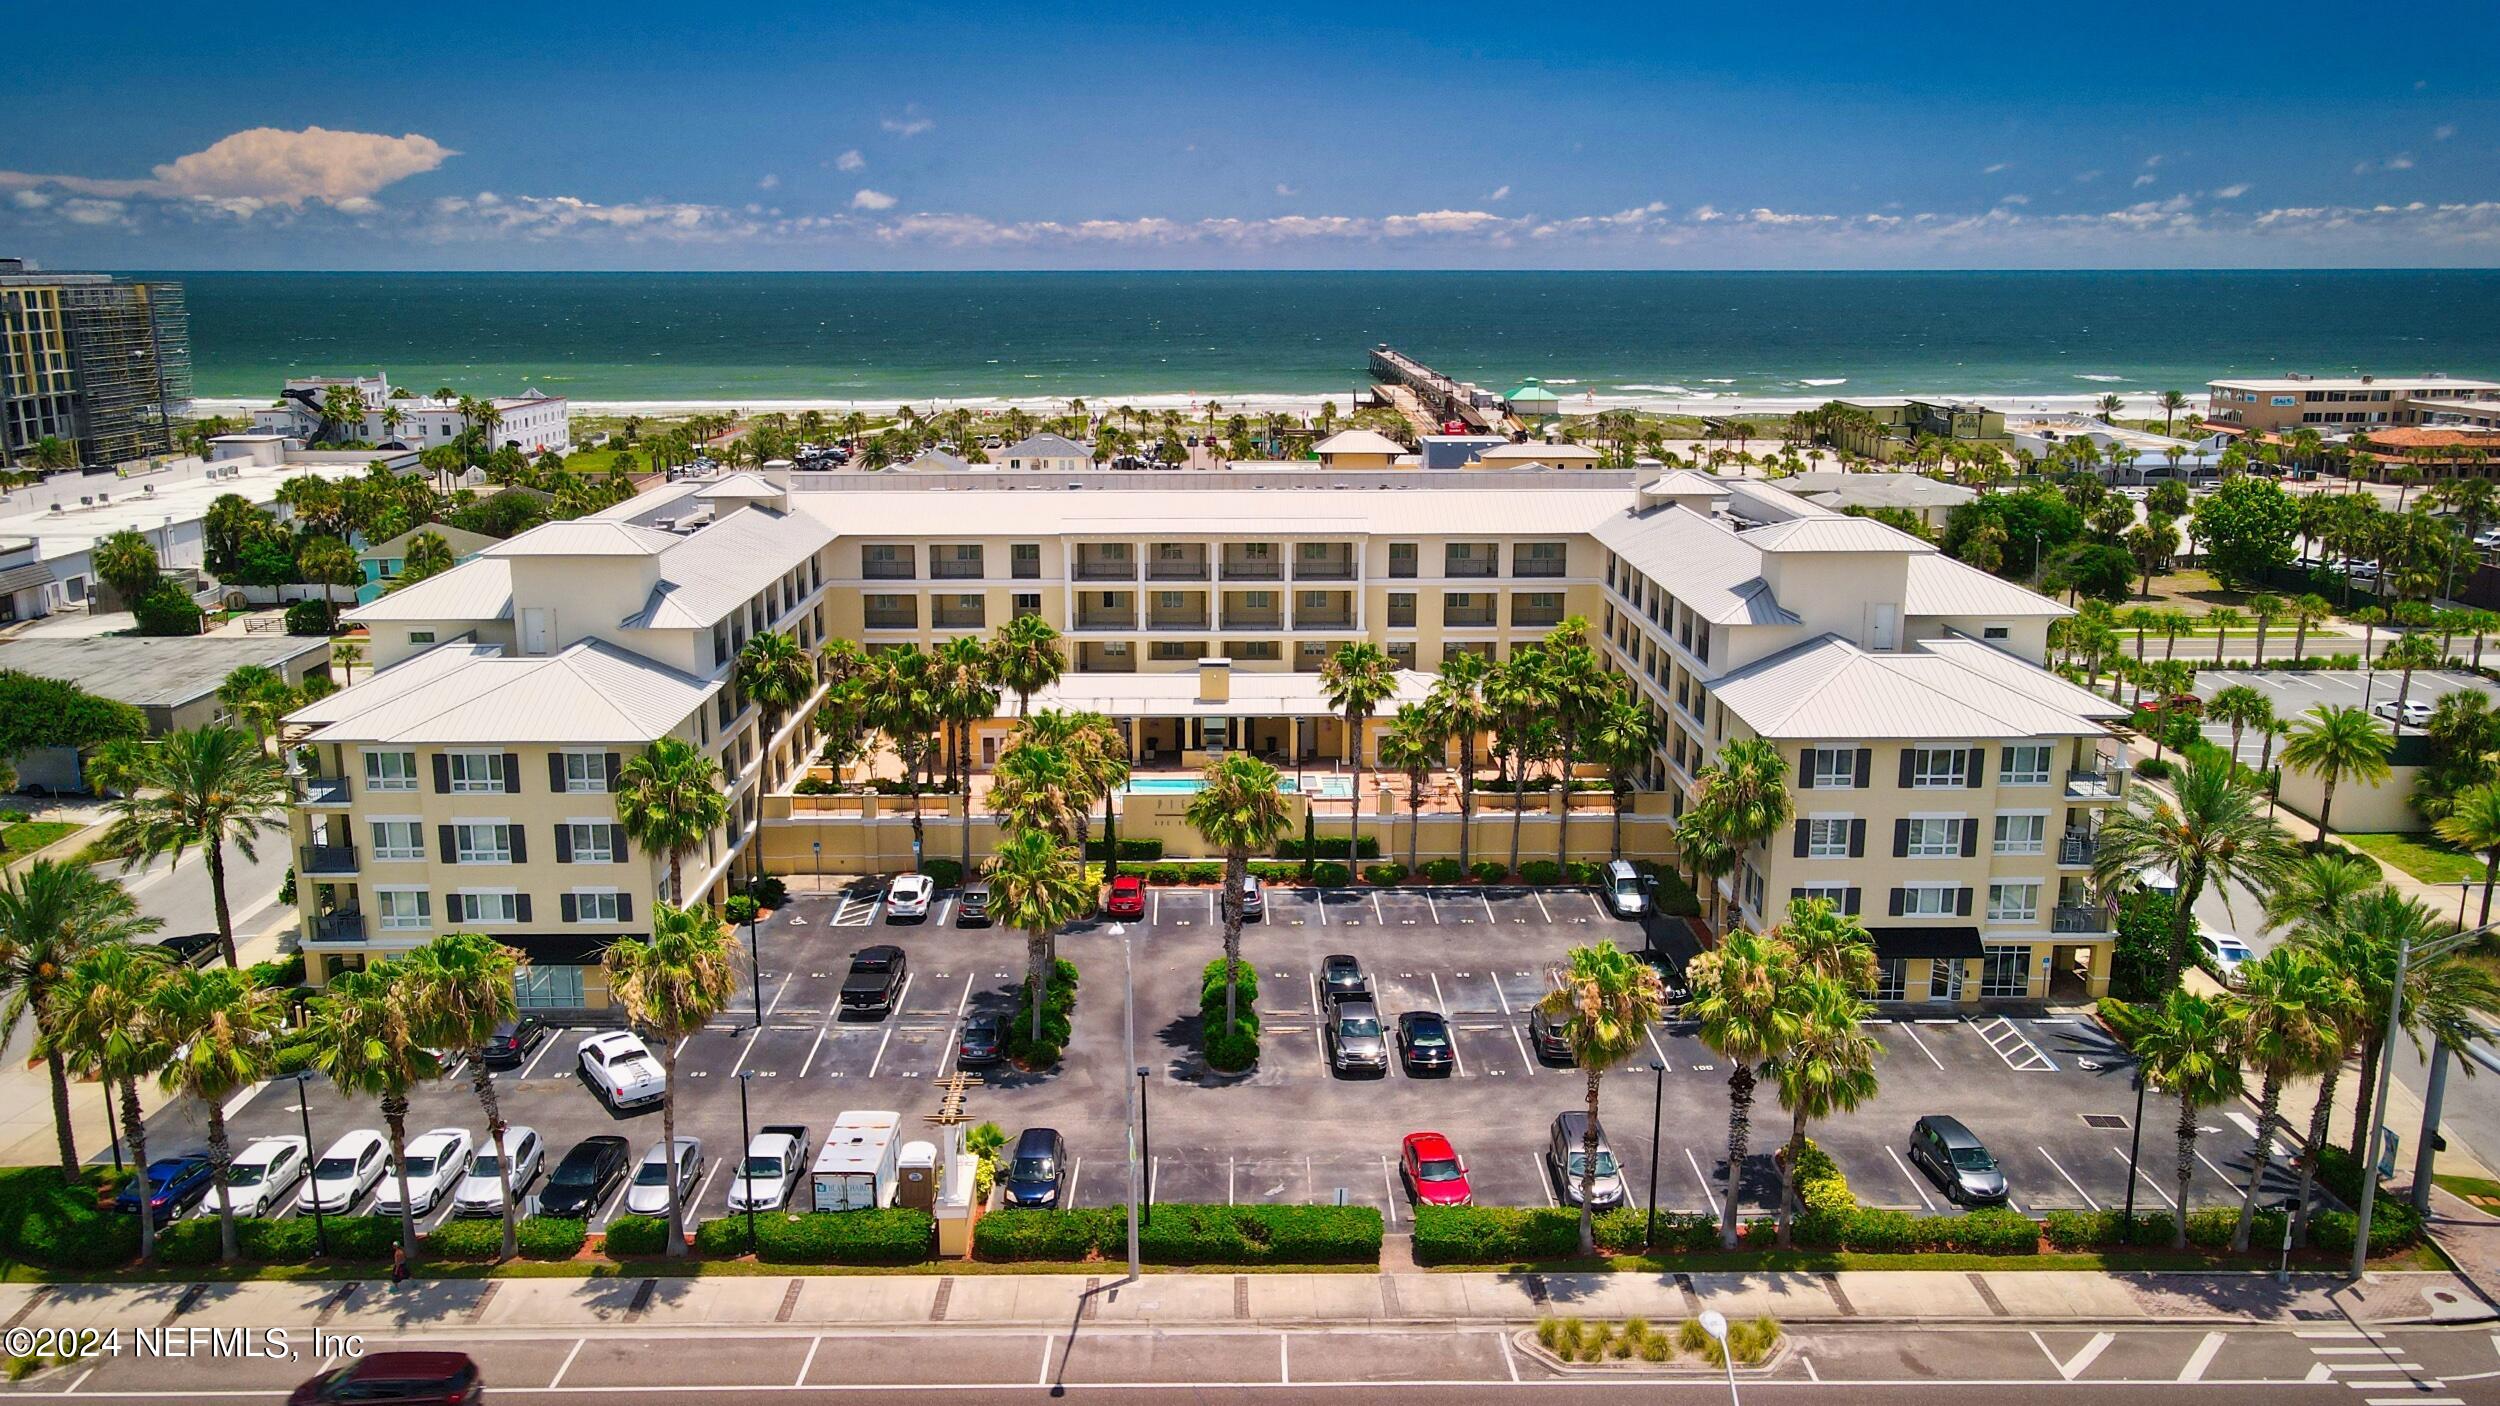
(1957, 1160)
(1356, 1042)
(1566, 1148)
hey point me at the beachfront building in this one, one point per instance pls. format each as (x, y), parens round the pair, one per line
(2121, 454)
(532, 421)
(2339, 404)
(1047, 453)
(98, 362)
(1359, 449)
(1533, 403)
(1887, 427)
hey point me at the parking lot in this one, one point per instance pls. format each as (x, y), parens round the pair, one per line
(2296, 692)
(2048, 1092)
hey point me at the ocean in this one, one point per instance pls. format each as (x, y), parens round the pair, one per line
(1154, 339)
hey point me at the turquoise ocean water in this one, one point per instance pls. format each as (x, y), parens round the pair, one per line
(1620, 337)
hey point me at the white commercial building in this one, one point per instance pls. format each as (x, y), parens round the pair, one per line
(532, 421)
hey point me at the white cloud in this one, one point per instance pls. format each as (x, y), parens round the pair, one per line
(1284, 189)
(2086, 177)
(86, 210)
(2232, 192)
(851, 161)
(1500, 193)
(2152, 161)
(252, 170)
(2443, 131)
(2144, 180)
(911, 124)
(769, 181)
(866, 199)
(2401, 161)
(31, 200)
(2013, 200)
(1995, 166)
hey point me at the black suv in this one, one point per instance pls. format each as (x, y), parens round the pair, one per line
(1341, 978)
(512, 1042)
(875, 981)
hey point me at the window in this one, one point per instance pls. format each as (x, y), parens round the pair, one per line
(540, 986)
(487, 906)
(1930, 900)
(1401, 653)
(1831, 767)
(1753, 888)
(1173, 649)
(421, 637)
(586, 772)
(398, 839)
(403, 909)
(1932, 837)
(476, 771)
(482, 844)
(1827, 838)
(2022, 834)
(1933, 767)
(1837, 894)
(596, 906)
(1253, 649)
(590, 842)
(1401, 558)
(2005, 971)
(390, 771)
(1892, 981)
(2014, 903)
(2024, 764)
(1995, 632)
(1258, 600)
(1026, 603)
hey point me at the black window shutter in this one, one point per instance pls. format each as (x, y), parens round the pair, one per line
(1896, 902)
(615, 764)
(555, 772)
(1909, 760)
(450, 851)
(564, 843)
(442, 773)
(572, 909)
(1805, 769)
(1849, 904)
(1961, 901)
(1796, 894)
(1866, 766)
(512, 772)
(1977, 775)
(520, 843)
(1900, 839)
(624, 907)
(617, 844)
(1970, 837)
(521, 906)
(1857, 838)
(1801, 837)
(451, 908)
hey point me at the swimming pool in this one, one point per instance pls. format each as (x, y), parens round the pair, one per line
(1327, 788)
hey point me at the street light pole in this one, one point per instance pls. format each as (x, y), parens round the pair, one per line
(1128, 1014)
(2378, 1111)
(2135, 1148)
(1714, 1323)
(746, 1139)
(1146, 1139)
(755, 968)
(1657, 1119)
(2427, 1151)
(303, 1106)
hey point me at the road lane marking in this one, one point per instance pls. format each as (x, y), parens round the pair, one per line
(568, 1364)
(2074, 1367)
(2202, 1358)
(809, 1361)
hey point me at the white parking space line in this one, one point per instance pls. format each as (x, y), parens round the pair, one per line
(1432, 908)
(700, 1186)
(1487, 900)
(1314, 979)
(567, 1364)
(1916, 1184)
(814, 1045)
(1709, 1193)
(1656, 1049)
(808, 1361)
(2202, 1358)
(882, 1041)
(2147, 1180)
(543, 1047)
(1158, 906)
(2239, 1189)
(608, 1212)
(1319, 900)
(1912, 1032)
(2014, 1047)
(2070, 1181)
(1595, 904)
(1076, 1168)
(1544, 1181)
(945, 907)
(1154, 1165)
(748, 1049)
(1389, 1183)
(1229, 1169)
(1377, 916)
(1527, 1061)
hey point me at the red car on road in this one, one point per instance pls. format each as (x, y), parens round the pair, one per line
(1128, 897)
(1435, 1174)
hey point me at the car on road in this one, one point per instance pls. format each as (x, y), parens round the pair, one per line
(437, 1159)
(481, 1191)
(1036, 1169)
(775, 1159)
(403, 1378)
(1626, 897)
(196, 949)
(1435, 1174)
(984, 1041)
(1424, 1043)
(909, 898)
(263, 1172)
(580, 1184)
(1566, 1158)
(972, 906)
(347, 1171)
(1957, 1161)
(1545, 1036)
(622, 1069)
(1341, 978)
(1128, 898)
(875, 981)
(175, 1184)
(512, 1042)
(2224, 953)
(1253, 899)
(2413, 712)
(1356, 1043)
(660, 1176)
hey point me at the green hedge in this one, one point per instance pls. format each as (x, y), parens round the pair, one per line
(1512, 1234)
(899, 1236)
(2084, 1230)
(1489, 871)
(47, 1223)
(466, 1241)
(1329, 874)
(1139, 851)
(1540, 872)
(1163, 875)
(1026, 1235)
(1259, 1235)
(1366, 847)
(278, 1241)
(552, 1237)
(295, 1241)
(945, 873)
(1443, 871)
(363, 1237)
(540, 1237)
(1058, 1019)
(1391, 873)
(636, 1237)
(2394, 1224)
(1203, 871)
(190, 1242)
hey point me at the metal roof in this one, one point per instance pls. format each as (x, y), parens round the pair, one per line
(1540, 453)
(1358, 442)
(592, 692)
(1834, 533)
(1309, 508)
(1877, 490)
(1828, 688)
(1044, 446)
(718, 569)
(585, 537)
(741, 486)
(1696, 559)
(1270, 693)
(158, 672)
(462, 541)
(477, 589)
(1939, 585)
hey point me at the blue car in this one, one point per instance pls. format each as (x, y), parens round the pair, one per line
(179, 1183)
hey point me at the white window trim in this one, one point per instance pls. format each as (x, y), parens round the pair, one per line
(1848, 777)
(1949, 892)
(375, 847)
(468, 915)
(2038, 886)
(574, 844)
(1837, 890)
(606, 783)
(2041, 815)
(1960, 777)
(382, 919)
(1840, 818)
(480, 822)
(460, 787)
(409, 783)
(2048, 769)
(1953, 846)
(608, 893)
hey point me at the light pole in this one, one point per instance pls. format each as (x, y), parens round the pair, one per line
(2405, 960)
(2426, 1152)
(2135, 1147)
(1714, 1323)
(746, 1139)
(1128, 1014)
(755, 966)
(303, 1107)
(1146, 1141)
(1657, 1118)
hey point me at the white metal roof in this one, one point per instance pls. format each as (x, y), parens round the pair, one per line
(585, 537)
(1358, 442)
(1829, 688)
(1044, 446)
(713, 572)
(1681, 483)
(1539, 453)
(1836, 533)
(1714, 572)
(1939, 585)
(1834, 489)
(592, 692)
(1269, 693)
(1309, 508)
(477, 589)
(742, 487)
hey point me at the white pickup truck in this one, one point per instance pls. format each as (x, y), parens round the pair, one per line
(774, 1162)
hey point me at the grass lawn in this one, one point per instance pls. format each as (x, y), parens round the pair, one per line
(599, 461)
(2425, 857)
(27, 836)
(1820, 1261)
(2485, 1194)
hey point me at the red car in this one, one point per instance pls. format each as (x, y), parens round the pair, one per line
(1128, 897)
(1435, 1174)
(430, 1378)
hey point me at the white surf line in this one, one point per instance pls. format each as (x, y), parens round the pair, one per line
(567, 1365)
(2070, 1181)
(1916, 1184)
(1912, 1032)
(2202, 1358)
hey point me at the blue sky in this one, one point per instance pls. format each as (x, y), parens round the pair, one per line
(1304, 135)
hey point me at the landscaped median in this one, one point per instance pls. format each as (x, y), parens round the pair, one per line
(1185, 1235)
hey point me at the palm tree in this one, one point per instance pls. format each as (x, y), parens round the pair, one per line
(1576, 690)
(1412, 746)
(2287, 1014)
(2443, 994)
(221, 1032)
(2171, 403)
(1829, 943)
(52, 914)
(965, 696)
(773, 670)
(462, 986)
(347, 654)
(1459, 704)
(212, 787)
(670, 985)
(2409, 653)
(2263, 611)
(1606, 1001)
(365, 1035)
(1515, 688)
(126, 561)
(1238, 811)
(902, 704)
(427, 554)
(1828, 1067)
(1739, 1000)
(2308, 611)
(2473, 824)
(329, 563)
(1357, 679)
(1624, 736)
(2224, 620)
(259, 695)
(2212, 832)
(107, 1029)
(1098, 758)
(669, 799)
(2239, 705)
(2185, 1046)
(1025, 658)
(2332, 743)
(1038, 886)
(1030, 789)
(1748, 785)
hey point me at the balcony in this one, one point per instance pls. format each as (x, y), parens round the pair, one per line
(320, 860)
(2107, 784)
(1538, 617)
(322, 790)
(1248, 568)
(1331, 619)
(1106, 619)
(1176, 619)
(1401, 617)
(891, 619)
(2078, 918)
(887, 570)
(954, 569)
(1328, 568)
(1472, 615)
(339, 927)
(1483, 561)
(1253, 620)
(2078, 851)
(1106, 570)
(1537, 566)
(959, 617)
(1025, 569)
(1188, 566)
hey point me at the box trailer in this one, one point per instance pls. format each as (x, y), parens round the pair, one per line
(855, 1170)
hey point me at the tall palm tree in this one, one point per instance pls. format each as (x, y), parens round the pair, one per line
(902, 704)
(670, 985)
(1459, 704)
(1357, 679)
(2473, 823)
(2408, 653)
(212, 787)
(1739, 998)
(2239, 705)
(2443, 994)
(1516, 690)
(462, 987)
(1412, 747)
(2308, 611)
(2185, 1045)
(1748, 784)
(2223, 620)
(1828, 1067)
(966, 694)
(1606, 1001)
(1829, 943)
(2332, 743)
(51, 915)
(1238, 810)
(108, 1030)
(1098, 757)
(2287, 1018)
(221, 1035)
(669, 799)
(1037, 886)
(258, 695)
(347, 654)
(778, 674)
(1577, 689)
(2264, 610)
(1030, 789)
(1025, 658)
(2213, 832)
(365, 1035)
(1623, 736)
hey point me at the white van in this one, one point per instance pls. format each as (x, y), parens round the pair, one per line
(1624, 893)
(855, 1170)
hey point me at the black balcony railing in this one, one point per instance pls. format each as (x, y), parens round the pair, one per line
(2078, 849)
(1106, 571)
(323, 790)
(327, 859)
(886, 570)
(1253, 570)
(1264, 620)
(1176, 570)
(339, 927)
(1323, 571)
(1469, 566)
(1467, 617)
(1535, 619)
(1536, 568)
(944, 570)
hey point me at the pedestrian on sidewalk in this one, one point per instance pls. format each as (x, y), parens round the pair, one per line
(399, 1265)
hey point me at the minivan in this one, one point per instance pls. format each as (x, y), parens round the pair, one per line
(1624, 893)
(1565, 1149)
(1958, 1161)
(1036, 1170)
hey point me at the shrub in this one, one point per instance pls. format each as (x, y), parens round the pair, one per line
(1384, 873)
(1204, 872)
(1490, 871)
(814, 786)
(770, 891)
(636, 1237)
(1540, 872)
(1330, 874)
(308, 617)
(466, 1240)
(2153, 768)
(739, 910)
(724, 1238)
(1581, 871)
(1260, 1234)
(47, 1223)
(279, 974)
(1443, 871)
(1024, 1236)
(894, 1236)
(2394, 1224)
(1058, 1019)
(945, 873)
(1324, 847)
(277, 1241)
(362, 1237)
(1494, 1234)
(1163, 874)
(1138, 851)
(188, 1242)
(1267, 873)
(2083, 1230)
(1211, 984)
(1232, 1050)
(551, 1237)
(1675, 898)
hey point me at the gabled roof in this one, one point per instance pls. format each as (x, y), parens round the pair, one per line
(1540, 453)
(1687, 483)
(460, 695)
(462, 541)
(1939, 585)
(740, 487)
(585, 537)
(1358, 442)
(940, 459)
(1044, 446)
(477, 589)
(1828, 688)
(705, 576)
(1713, 571)
(1835, 533)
